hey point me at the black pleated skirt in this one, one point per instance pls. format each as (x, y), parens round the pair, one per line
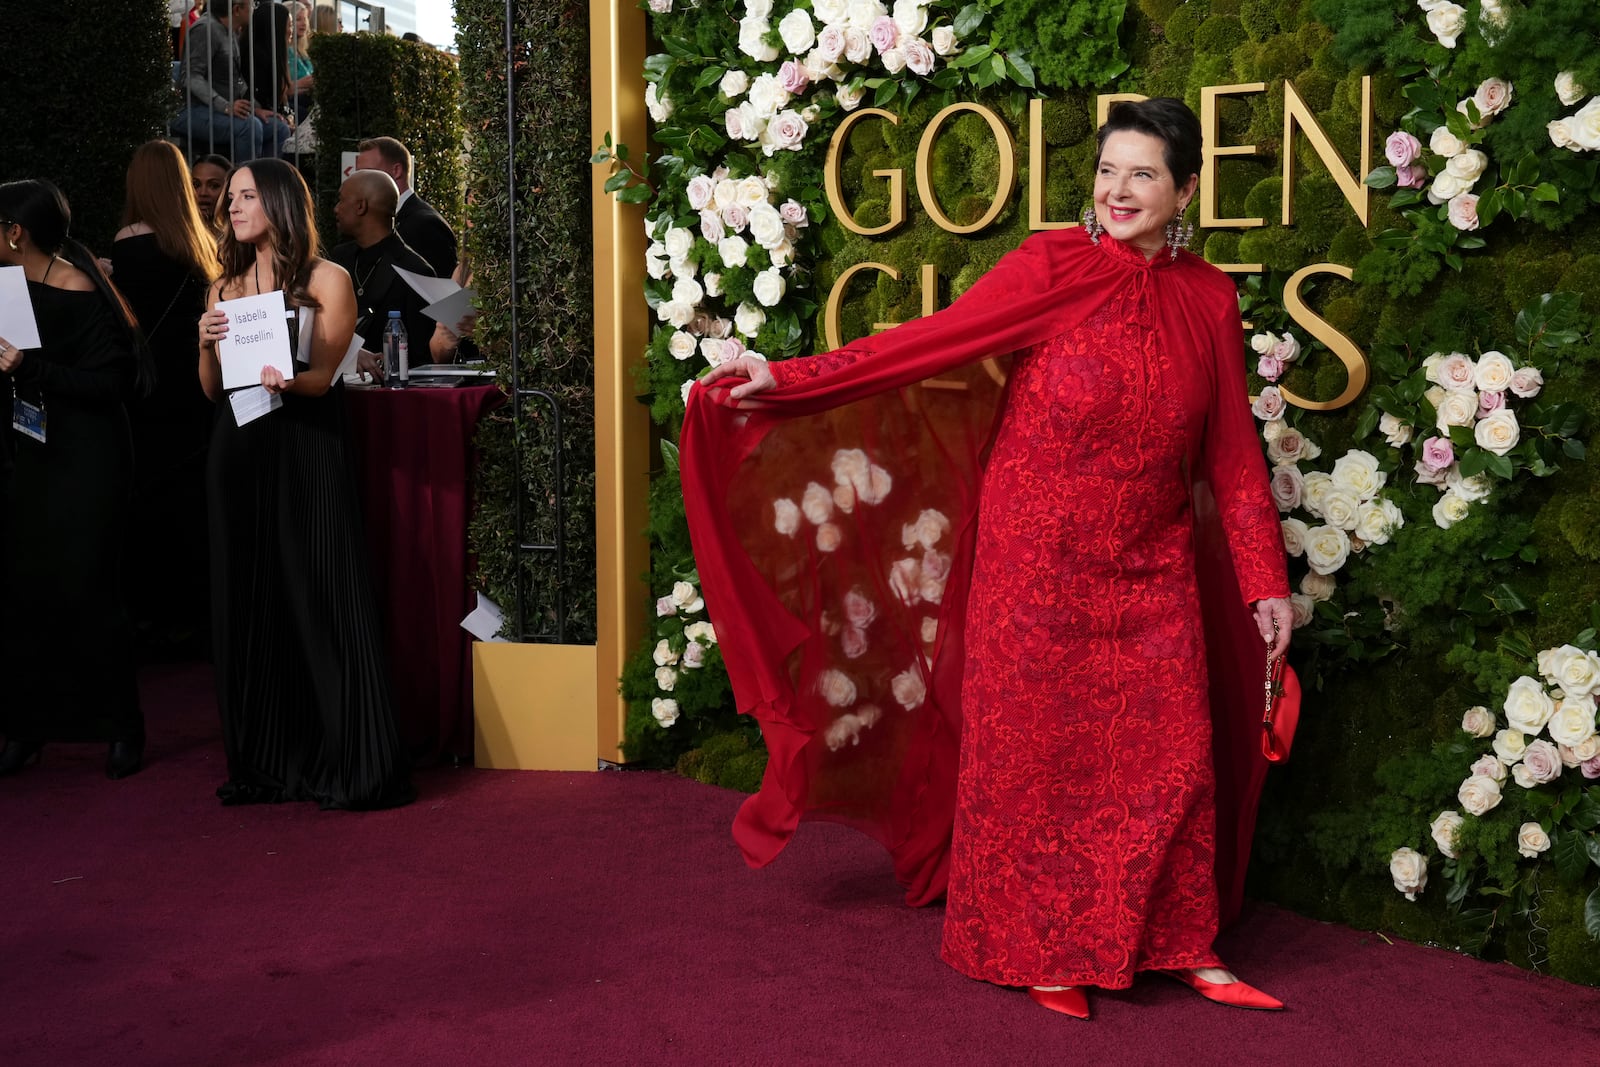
(302, 677)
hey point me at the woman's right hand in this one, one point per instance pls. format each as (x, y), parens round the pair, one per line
(213, 326)
(756, 370)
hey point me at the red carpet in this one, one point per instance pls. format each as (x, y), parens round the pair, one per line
(513, 918)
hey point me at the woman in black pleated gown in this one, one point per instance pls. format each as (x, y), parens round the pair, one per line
(302, 679)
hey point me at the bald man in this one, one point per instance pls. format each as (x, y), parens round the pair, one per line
(365, 214)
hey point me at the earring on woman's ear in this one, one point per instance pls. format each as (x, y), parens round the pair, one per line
(1091, 224)
(1179, 234)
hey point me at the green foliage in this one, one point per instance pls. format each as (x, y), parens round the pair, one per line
(370, 85)
(555, 315)
(74, 117)
(1073, 43)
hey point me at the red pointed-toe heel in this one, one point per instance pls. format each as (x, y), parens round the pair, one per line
(1233, 994)
(1071, 1001)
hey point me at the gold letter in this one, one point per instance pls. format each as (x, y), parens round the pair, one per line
(1036, 220)
(1008, 168)
(1354, 188)
(1211, 128)
(1354, 360)
(830, 178)
(830, 318)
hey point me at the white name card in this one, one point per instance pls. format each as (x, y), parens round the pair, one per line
(257, 337)
(17, 324)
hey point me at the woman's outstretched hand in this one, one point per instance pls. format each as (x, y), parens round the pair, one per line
(1275, 610)
(756, 370)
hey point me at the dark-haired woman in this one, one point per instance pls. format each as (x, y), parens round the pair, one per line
(165, 258)
(1020, 573)
(67, 652)
(210, 175)
(302, 679)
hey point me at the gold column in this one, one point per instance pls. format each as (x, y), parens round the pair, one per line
(621, 331)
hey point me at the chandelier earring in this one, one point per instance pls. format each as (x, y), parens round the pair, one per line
(1179, 234)
(1091, 225)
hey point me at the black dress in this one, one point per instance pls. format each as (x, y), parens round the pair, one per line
(171, 431)
(67, 652)
(302, 677)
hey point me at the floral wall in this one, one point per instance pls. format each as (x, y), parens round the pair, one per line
(1442, 527)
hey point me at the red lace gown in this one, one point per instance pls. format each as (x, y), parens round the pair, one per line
(1085, 832)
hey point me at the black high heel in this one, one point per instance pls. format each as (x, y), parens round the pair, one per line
(124, 758)
(17, 755)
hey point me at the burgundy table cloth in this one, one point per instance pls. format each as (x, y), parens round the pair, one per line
(413, 456)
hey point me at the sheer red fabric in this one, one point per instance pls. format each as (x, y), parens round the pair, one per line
(837, 522)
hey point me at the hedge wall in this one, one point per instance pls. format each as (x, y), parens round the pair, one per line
(373, 85)
(85, 85)
(555, 275)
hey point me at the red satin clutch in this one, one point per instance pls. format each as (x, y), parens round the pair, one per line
(1281, 710)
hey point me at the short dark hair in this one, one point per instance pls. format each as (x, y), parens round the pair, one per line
(1163, 117)
(389, 150)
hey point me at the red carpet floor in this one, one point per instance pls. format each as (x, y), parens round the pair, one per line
(522, 918)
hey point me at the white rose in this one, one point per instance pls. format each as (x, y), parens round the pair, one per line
(817, 504)
(1314, 490)
(1584, 125)
(749, 319)
(1340, 507)
(678, 242)
(1479, 794)
(665, 607)
(666, 679)
(944, 41)
(1445, 143)
(687, 597)
(829, 12)
(1449, 510)
(734, 83)
(861, 14)
(682, 345)
(1541, 763)
(702, 632)
(687, 291)
(1458, 407)
(1493, 13)
(927, 531)
(1358, 472)
(1456, 371)
(909, 689)
(849, 98)
(1319, 587)
(1494, 94)
(844, 498)
(1446, 186)
(894, 60)
(857, 44)
(1395, 432)
(1446, 21)
(733, 251)
(1573, 722)
(769, 287)
(1327, 548)
(665, 710)
(767, 95)
(1531, 839)
(766, 225)
(659, 106)
(905, 580)
(713, 282)
(1471, 489)
(663, 655)
(1304, 608)
(1493, 372)
(1468, 165)
(1478, 722)
(1509, 745)
(1561, 135)
(1498, 432)
(1443, 829)
(1271, 431)
(829, 537)
(1587, 749)
(850, 466)
(1526, 382)
(919, 57)
(1574, 671)
(751, 191)
(1489, 764)
(758, 9)
(836, 688)
(752, 39)
(797, 32)
(683, 390)
(1409, 871)
(1568, 91)
(1528, 707)
(675, 312)
(1294, 537)
(1376, 520)
(911, 16)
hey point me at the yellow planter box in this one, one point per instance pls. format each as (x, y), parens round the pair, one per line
(534, 706)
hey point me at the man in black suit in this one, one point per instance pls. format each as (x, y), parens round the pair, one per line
(365, 214)
(421, 227)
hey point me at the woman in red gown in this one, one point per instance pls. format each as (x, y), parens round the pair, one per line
(1049, 602)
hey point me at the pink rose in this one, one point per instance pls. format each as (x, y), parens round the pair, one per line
(1463, 211)
(1542, 760)
(734, 122)
(830, 44)
(1287, 485)
(859, 610)
(666, 606)
(1590, 767)
(1286, 349)
(1426, 475)
(1456, 371)
(794, 213)
(1269, 405)
(1437, 453)
(1402, 149)
(1492, 97)
(736, 217)
(853, 642)
(1490, 400)
(793, 77)
(1411, 176)
(919, 57)
(884, 33)
(700, 189)
(711, 226)
(1270, 368)
(1526, 382)
(732, 348)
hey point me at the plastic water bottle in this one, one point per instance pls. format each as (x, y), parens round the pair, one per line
(396, 353)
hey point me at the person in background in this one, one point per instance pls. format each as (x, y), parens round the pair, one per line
(302, 73)
(177, 17)
(210, 177)
(66, 647)
(454, 344)
(327, 20)
(219, 111)
(418, 224)
(302, 676)
(165, 257)
(365, 214)
(270, 26)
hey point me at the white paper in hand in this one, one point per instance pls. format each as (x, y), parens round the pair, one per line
(448, 302)
(250, 403)
(17, 324)
(485, 620)
(257, 337)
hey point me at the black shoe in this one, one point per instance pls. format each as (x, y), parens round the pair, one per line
(17, 755)
(124, 758)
